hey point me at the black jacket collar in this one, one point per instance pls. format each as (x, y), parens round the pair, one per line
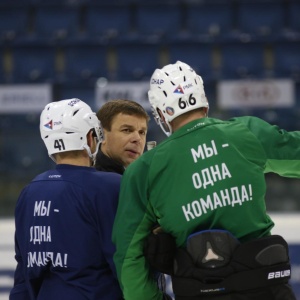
(105, 163)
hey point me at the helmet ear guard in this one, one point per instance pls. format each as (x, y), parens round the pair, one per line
(64, 126)
(159, 116)
(175, 90)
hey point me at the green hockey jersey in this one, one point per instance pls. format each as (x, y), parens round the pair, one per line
(209, 174)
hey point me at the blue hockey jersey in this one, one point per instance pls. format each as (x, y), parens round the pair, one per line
(64, 219)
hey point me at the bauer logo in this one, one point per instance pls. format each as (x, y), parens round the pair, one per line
(49, 125)
(279, 274)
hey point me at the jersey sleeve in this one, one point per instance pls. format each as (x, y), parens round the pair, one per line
(107, 212)
(133, 223)
(282, 148)
(19, 290)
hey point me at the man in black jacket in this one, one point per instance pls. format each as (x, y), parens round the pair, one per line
(125, 125)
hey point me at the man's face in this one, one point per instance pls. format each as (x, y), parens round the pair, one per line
(126, 140)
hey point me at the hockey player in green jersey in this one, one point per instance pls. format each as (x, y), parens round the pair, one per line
(204, 185)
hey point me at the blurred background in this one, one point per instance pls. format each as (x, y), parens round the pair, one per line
(247, 52)
(58, 49)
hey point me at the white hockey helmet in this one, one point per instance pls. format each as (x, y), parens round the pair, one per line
(174, 90)
(64, 126)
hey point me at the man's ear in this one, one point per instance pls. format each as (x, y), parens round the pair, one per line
(104, 135)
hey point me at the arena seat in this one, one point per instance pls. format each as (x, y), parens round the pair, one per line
(260, 18)
(84, 63)
(294, 16)
(33, 63)
(2, 70)
(297, 87)
(287, 59)
(136, 61)
(56, 22)
(13, 22)
(210, 18)
(242, 60)
(107, 21)
(156, 21)
(198, 55)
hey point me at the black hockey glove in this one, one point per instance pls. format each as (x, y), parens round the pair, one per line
(159, 251)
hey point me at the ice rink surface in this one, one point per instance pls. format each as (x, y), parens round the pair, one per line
(287, 225)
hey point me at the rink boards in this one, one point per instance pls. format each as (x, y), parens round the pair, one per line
(287, 225)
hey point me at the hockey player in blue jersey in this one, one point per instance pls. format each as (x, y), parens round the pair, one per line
(64, 217)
